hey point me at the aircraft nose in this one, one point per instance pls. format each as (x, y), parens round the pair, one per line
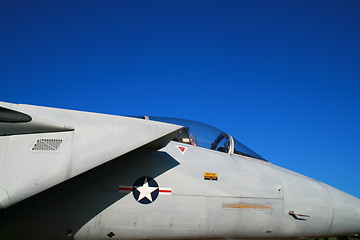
(346, 217)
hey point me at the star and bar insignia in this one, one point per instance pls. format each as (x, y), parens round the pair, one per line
(145, 190)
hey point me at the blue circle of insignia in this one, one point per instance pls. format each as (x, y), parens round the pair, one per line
(145, 190)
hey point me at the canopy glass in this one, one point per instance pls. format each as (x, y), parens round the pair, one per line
(205, 136)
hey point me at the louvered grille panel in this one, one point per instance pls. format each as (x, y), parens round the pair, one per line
(47, 144)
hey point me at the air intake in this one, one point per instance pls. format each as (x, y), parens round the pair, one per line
(47, 144)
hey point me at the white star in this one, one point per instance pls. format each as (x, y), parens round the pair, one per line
(145, 191)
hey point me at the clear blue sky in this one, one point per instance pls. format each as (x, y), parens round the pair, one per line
(283, 77)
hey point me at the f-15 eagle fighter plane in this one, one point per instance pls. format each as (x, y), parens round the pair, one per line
(77, 175)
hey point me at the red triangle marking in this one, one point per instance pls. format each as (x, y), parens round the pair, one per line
(182, 149)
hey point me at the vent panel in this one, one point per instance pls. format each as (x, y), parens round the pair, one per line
(47, 144)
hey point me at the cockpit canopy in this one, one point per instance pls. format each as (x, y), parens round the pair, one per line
(205, 136)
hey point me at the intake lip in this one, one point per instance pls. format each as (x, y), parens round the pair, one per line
(11, 116)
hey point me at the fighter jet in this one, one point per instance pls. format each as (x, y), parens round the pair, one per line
(77, 175)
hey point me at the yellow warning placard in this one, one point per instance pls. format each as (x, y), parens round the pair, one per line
(210, 176)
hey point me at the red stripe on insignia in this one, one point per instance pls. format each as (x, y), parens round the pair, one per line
(125, 189)
(165, 191)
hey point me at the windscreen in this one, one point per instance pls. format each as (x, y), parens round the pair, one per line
(241, 149)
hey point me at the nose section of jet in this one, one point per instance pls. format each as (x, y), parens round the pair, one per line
(346, 216)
